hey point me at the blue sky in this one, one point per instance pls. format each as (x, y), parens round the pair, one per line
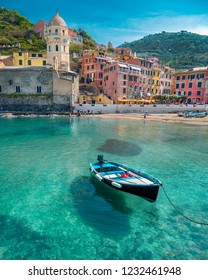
(119, 21)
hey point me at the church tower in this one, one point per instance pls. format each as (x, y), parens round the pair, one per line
(58, 40)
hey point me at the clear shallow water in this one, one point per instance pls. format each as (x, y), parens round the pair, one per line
(51, 209)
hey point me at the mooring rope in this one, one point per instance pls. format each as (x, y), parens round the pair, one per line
(179, 212)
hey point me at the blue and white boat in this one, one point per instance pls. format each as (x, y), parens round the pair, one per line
(126, 179)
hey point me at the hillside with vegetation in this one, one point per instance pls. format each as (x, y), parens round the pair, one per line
(180, 50)
(17, 31)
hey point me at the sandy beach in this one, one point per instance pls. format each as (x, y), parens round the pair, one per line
(173, 118)
(170, 117)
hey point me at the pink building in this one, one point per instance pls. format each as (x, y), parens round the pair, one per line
(40, 28)
(192, 83)
(92, 69)
(121, 81)
(145, 80)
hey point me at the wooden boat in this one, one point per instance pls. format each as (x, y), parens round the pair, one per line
(126, 179)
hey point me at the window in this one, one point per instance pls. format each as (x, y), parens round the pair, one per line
(189, 93)
(20, 62)
(93, 67)
(191, 77)
(124, 90)
(124, 77)
(177, 78)
(33, 54)
(38, 89)
(56, 48)
(49, 48)
(199, 84)
(88, 67)
(20, 54)
(56, 31)
(124, 83)
(17, 88)
(183, 77)
(182, 85)
(198, 93)
(200, 76)
(29, 62)
(40, 55)
(63, 32)
(177, 86)
(190, 85)
(44, 62)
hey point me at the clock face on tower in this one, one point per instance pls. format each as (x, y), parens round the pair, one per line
(65, 41)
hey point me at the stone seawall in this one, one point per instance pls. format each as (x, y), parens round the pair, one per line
(31, 103)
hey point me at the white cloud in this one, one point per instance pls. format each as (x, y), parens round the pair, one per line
(171, 23)
(138, 28)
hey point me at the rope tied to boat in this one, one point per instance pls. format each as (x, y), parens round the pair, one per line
(179, 212)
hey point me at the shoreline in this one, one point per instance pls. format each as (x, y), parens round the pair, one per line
(171, 118)
(168, 117)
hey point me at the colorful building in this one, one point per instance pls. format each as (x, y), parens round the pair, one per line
(145, 80)
(192, 83)
(121, 81)
(123, 54)
(93, 98)
(40, 28)
(92, 68)
(29, 58)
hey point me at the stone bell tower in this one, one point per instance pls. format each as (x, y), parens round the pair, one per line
(58, 40)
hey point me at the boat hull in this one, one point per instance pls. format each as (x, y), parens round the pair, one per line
(146, 191)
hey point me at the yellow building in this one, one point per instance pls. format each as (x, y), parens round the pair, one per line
(94, 98)
(123, 53)
(29, 58)
(156, 74)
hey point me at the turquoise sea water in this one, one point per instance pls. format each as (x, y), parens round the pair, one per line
(51, 209)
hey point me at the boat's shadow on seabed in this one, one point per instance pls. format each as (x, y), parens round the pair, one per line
(102, 208)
